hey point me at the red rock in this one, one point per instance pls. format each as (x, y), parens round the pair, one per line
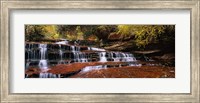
(129, 72)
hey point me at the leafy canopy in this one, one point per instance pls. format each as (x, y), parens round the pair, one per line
(143, 34)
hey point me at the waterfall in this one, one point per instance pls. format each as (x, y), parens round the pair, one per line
(43, 61)
(46, 55)
(103, 57)
(43, 64)
(78, 55)
(43, 50)
(119, 56)
(61, 55)
(60, 52)
(73, 48)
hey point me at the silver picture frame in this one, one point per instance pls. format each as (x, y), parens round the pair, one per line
(8, 5)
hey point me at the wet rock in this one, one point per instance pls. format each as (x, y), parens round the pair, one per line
(114, 36)
(65, 47)
(32, 72)
(34, 63)
(53, 56)
(168, 57)
(129, 72)
(66, 60)
(83, 48)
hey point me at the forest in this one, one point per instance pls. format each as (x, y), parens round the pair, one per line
(140, 35)
(150, 45)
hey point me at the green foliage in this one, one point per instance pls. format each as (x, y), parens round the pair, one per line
(125, 30)
(40, 32)
(34, 32)
(143, 34)
(56, 36)
(71, 32)
(103, 31)
(67, 31)
(79, 34)
(51, 32)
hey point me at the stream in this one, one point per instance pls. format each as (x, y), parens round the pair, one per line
(43, 56)
(40, 58)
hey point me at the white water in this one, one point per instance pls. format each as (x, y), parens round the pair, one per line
(62, 42)
(90, 68)
(47, 75)
(78, 56)
(73, 48)
(60, 52)
(103, 57)
(119, 56)
(138, 65)
(43, 50)
(99, 67)
(128, 57)
(43, 62)
(124, 57)
(96, 49)
(89, 48)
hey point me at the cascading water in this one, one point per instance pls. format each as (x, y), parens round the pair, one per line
(89, 68)
(43, 61)
(78, 55)
(103, 57)
(73, 48)
(60, 52)
(42, 55)
(97, 49)
(43, 65)
(43, 50)
(62, 42)
(61, 55)
(124, 57)
(127, 57)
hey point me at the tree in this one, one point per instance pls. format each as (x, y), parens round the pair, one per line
(67, 31)
(103, 31)
(79, 33)
(143, 34)
(40, 32)
(51, 32)
(140, 35)
(34, 32)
